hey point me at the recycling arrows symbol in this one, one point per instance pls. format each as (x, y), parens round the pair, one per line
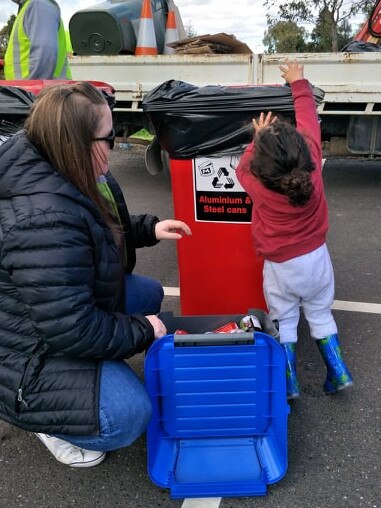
(223, 179)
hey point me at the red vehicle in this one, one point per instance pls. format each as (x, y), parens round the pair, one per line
(371, 30)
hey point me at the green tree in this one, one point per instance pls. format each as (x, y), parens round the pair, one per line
(290, 11)
(285, 37)
(336, 13)
(5, 32)
(321, 40)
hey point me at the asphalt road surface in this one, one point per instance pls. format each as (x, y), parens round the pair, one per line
(333, 441)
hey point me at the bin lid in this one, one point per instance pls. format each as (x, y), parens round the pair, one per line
(190, 121)
(219, 424)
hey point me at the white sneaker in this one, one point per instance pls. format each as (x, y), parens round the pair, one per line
(70, 454)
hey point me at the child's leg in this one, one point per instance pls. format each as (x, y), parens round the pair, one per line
(144, 295)
(338, 375)
(317, 298)
(282, 298)
(283, 305)
(317, 308)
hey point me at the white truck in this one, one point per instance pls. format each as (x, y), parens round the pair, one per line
(350, 111)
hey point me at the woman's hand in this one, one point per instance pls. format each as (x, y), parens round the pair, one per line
(263, 121)
(171, 230)
(291, 71)
(159, 327)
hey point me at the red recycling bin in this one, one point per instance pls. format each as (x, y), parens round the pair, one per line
(204, 130)
(219, 271)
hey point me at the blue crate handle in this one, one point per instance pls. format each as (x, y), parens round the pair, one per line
(213, 339)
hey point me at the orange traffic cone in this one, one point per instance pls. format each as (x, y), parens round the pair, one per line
(171, 33)
(146, 44)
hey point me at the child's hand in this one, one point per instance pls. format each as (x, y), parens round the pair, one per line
(291, 71)
(263, 121)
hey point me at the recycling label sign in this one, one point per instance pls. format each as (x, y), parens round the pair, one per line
(219, 197)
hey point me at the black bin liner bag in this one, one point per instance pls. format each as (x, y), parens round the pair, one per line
(15, 103)
(190, 121)
(14, 108)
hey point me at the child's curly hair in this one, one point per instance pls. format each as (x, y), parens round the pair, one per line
(282, 162)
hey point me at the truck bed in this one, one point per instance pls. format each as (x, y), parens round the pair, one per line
(351, 81)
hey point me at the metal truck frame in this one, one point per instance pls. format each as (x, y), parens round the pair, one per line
(350, 111)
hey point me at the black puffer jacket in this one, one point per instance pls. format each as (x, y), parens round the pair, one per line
(60, 293)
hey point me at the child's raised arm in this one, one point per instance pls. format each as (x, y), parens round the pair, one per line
(307, 121)
(291, 71)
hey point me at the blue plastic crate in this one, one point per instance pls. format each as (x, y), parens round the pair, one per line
(219, 423)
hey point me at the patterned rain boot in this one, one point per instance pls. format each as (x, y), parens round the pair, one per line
(338, 375)
(292, 384)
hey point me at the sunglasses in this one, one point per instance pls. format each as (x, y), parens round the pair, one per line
(110, 139)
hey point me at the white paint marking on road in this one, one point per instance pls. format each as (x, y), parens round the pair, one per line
(371, 308)
(171, 291)
(203, 502)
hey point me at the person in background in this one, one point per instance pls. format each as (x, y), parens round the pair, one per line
(281, 170)
(71, 309)
(37, 43)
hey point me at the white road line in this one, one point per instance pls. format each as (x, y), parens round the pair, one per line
(171, 291)
(371, 308)
(204, 502)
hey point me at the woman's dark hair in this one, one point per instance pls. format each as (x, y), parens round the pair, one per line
(62, 124)
(282, 162)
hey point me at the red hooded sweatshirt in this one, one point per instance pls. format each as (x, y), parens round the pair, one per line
(280, 230)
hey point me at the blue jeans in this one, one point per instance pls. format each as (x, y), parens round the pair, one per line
(124, 406)
(143, 295)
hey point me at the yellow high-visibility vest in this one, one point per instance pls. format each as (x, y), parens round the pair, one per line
(16, 60)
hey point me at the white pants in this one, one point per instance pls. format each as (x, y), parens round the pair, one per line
(307, 281)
